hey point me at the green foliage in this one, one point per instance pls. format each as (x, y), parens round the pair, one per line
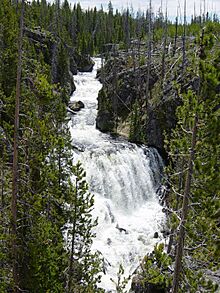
(47, 258)
(45, 156)
(136, 125)
(84, 265)
(54, 32)
(8, 46)
(202, 226)
(156, 268)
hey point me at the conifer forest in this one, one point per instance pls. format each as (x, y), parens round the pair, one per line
(109, 148)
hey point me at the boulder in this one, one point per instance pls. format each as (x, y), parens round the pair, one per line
(84, 63)
(76, 106)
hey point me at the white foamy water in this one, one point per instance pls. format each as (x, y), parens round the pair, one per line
(123, 177)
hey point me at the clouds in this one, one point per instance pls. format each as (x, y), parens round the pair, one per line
(211, 5)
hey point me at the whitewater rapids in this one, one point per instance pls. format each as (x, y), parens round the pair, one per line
(124, 178)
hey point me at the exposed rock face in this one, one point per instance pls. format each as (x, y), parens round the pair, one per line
(105, 121)
(48, 44)
(73, 66)
(84, 63)
(71, 84)
(76, 106)
(122, 88)
(161, 117)
(119, 92)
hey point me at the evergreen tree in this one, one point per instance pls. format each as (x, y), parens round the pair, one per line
(84, 265)
(189, 141)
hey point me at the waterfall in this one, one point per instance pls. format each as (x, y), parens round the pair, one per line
(124, 178)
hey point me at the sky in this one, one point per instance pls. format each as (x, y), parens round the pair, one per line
(211, 5)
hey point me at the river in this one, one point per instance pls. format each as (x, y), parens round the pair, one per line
(124, 178)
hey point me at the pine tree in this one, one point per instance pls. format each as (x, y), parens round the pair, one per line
(15, 190)
(83, 264)
(189, 142)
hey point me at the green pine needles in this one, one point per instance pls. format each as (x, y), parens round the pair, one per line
(84, 266)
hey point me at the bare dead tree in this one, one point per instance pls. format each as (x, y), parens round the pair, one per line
(204, 11)
(185, 207)
(149, 47)
(184, 38)
(194, 13)
(164, 49)
(176, 32)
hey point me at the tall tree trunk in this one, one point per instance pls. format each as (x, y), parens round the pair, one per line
(184, 38)
(180, 188)
(204, 13)
(71, 260)
(149, 53)
(164, 51)
(180, 244)
(176, 32)
(15, 157)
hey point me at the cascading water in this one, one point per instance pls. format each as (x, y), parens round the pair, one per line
(123, 177)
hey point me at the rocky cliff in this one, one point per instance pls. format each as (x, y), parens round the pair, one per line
(127, 108)
(64, 60)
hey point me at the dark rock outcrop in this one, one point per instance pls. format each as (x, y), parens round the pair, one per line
(105, 121)
(71, 85)
(84, 63)
(51, 45)
(76, 106)
(73, 66)
(122, 88)
(161, 118)
(119, 92)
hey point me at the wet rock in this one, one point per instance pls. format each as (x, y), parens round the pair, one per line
(161, 118)
(121, 229)
(70, 111)
(84, 63)
(73, 65)
(109, 241)
(165, 233)
(71, 87)
(76, 106)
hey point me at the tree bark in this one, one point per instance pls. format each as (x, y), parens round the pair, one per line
(71, 261)
(164, 51)
(15, 157)
(176, 32)
(184, 38)
(185, 206)
(149, 54)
